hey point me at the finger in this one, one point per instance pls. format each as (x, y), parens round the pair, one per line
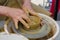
(7, 21)
(27, 19)
(16, 23)
(6, 25)
(24, 23)
(33, 13)
(25, 10)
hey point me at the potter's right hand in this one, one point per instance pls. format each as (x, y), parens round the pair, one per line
(16, 15)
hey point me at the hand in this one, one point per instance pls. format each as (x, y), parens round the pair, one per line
(28, 8)
(18, 15)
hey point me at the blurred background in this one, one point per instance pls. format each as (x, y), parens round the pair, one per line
(51, 6)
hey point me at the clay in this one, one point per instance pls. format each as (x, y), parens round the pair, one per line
(35, 22)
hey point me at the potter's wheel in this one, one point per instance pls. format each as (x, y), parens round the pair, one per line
(33, 34)
(37, 33)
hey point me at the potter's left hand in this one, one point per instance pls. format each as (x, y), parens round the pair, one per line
(28, 8)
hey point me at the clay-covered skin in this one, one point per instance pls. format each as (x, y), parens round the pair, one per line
(35, 22)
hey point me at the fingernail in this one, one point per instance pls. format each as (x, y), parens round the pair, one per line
(16, 27)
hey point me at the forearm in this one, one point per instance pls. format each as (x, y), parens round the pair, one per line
(27, 3)
(27, 0)
(4, 10)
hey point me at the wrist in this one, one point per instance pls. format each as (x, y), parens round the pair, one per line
(4, 10)
(26, 1)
